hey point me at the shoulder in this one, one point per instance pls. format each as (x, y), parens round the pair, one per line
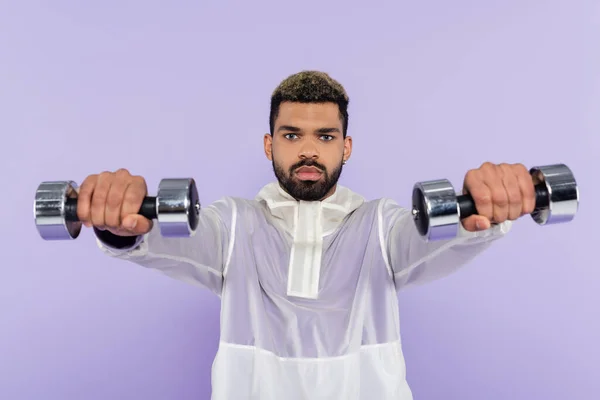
(387, 206)
(389, 211)
(384, 211)
(231, 213)
(228, 207)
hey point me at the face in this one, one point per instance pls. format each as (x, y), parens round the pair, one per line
(307, 149)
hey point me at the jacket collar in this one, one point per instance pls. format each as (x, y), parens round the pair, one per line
(333, 209)
(307, 222)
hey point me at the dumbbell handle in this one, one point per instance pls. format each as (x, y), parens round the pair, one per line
(148, 209)
(467, 205)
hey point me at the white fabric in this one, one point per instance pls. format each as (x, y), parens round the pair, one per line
(305, 256)
(308, 290)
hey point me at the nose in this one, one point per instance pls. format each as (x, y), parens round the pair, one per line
(309, 150)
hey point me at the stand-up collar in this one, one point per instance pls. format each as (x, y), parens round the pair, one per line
(307, 222)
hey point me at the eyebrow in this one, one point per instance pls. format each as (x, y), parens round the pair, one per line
(290, 128)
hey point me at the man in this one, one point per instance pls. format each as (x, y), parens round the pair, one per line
(308, 271)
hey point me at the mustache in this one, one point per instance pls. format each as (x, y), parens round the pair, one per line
(308, 163)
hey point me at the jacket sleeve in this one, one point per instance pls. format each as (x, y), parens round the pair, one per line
(411, 260)
(201, 259)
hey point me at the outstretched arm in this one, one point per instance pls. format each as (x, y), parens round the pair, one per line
(200, 260)
(109, 202)
(502, 193)
(412, 260)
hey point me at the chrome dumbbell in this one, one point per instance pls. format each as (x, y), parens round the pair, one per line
(437, 210)
(176, 207)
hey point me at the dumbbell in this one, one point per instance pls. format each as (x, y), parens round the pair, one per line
(437, 210)
(176, 207)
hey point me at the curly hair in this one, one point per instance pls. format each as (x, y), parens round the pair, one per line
(310, 87)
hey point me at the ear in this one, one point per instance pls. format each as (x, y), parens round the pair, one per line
(268, 144)
(347, 148)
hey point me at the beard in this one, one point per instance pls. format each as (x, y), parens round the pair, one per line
(307, 190)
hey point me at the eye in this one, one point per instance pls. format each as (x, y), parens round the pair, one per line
(327, 137)
(287, 136)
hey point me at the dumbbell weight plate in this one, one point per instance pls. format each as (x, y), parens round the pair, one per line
(49, 210)
(435, 209)
(178, 207)
(562, 201)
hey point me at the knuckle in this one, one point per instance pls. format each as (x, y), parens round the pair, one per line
(505, 169)
(122, 173)
(89, 180)
(86, 187)
(521, 168)
(487, 166)
(139, 180)
(471, 177)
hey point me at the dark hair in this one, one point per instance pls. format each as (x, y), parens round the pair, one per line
(310, 87)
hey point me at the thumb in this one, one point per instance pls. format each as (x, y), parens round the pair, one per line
(476, 223)
(137, 224)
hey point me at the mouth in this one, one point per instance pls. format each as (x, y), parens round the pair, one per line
(308, 173)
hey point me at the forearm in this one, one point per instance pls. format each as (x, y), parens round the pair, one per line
(415, 261)
(199, 259)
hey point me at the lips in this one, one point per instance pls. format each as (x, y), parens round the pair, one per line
(308, 170)
(308, 173)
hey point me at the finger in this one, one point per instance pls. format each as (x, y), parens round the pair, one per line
(527, 189)
(480, 192)
(99, 199)
(476, 223)
(493, 179)
(513, 191)
(84, 200)
(137, 224)
(114, 201)
(134, 197)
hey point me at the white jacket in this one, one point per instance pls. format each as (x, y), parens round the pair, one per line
(308, 290)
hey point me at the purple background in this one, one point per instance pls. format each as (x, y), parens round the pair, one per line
(182, 88)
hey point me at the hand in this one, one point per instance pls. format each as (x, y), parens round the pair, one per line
(501, 192)
(111, 201)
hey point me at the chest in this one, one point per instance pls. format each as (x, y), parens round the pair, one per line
(315, 271)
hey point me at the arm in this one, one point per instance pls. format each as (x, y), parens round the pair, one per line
(502, 193)
(200, 260)
(411, 260)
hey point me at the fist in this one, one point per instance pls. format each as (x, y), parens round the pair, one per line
(501, 192)
(111, 201)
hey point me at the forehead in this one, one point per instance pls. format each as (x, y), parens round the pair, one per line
(307, 115)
